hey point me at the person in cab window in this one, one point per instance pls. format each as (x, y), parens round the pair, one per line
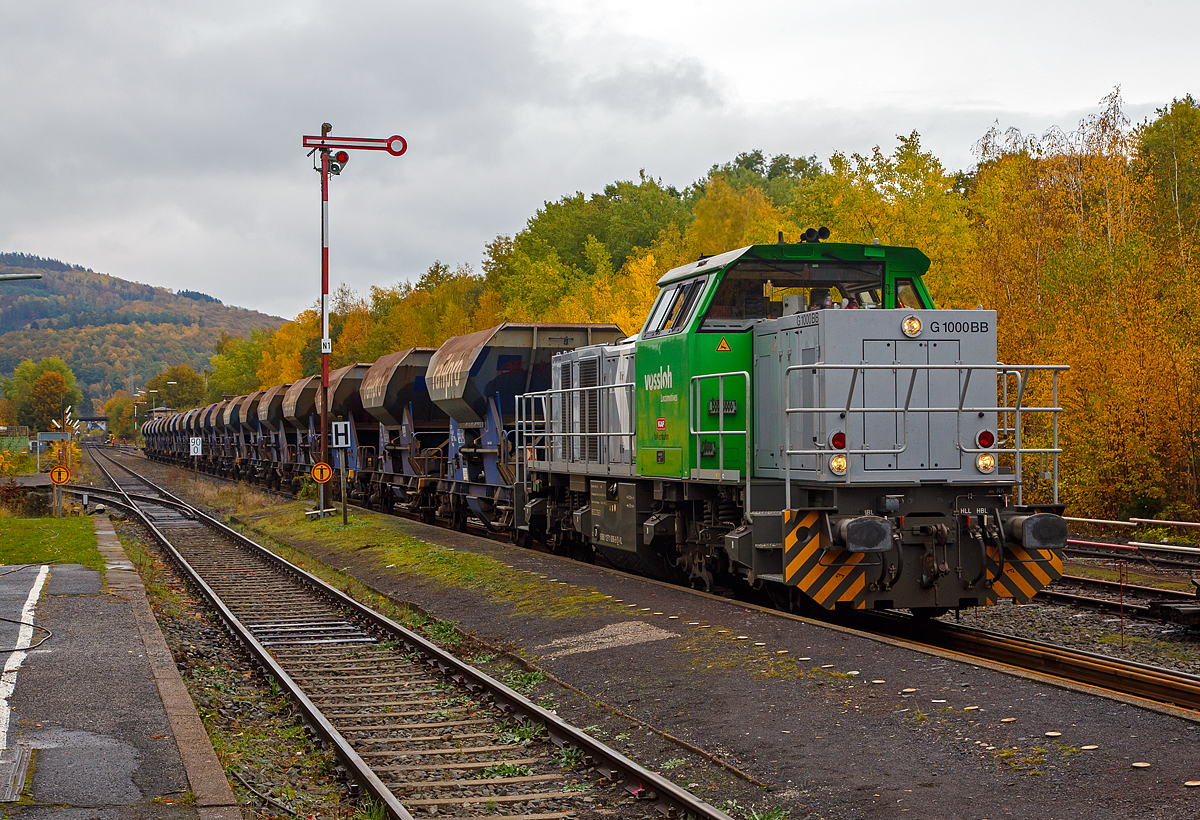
(819, 299)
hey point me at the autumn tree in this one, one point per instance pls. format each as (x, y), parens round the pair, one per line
(236, 363)
(119, 412)
(19, 388)
(47, 400)
(1084, 242)
(179, 387)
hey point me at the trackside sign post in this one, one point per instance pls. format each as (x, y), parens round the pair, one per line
(334, 152)
(196, 447)
(340, 435)
(59, 475)
(340, 440)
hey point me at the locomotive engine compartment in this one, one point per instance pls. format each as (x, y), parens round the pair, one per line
(794, 421)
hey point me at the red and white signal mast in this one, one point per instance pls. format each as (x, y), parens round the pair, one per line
(334, 156)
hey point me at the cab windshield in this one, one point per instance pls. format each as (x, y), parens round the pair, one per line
(767, 289)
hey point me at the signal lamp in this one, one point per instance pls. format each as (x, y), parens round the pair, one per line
(837, 464)
(911, 326)
(838, 440)
(986, 462)
(985, 439)
(338, 161)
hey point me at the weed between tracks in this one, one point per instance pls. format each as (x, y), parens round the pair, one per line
(1102, 572)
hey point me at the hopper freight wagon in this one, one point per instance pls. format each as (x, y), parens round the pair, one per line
(271, 447)
(794, 419)
(413, 434)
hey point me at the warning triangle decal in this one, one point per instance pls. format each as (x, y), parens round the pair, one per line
(723, 347)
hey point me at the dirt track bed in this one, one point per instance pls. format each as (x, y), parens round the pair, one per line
(783, 702)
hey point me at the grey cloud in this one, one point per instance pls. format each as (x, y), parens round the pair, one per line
(652, 91)
(161, 141)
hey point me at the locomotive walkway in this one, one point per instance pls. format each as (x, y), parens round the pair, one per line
(99, 723)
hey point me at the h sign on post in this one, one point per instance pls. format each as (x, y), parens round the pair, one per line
(195, 442)
(340, 438)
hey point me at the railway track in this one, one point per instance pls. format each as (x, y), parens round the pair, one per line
(415, 727)
(1130, 600)
(1130, 678)
(1151, 683)
(1187, 558)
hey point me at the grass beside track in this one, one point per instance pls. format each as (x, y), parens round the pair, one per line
(49, 540)
(378, 540)
(380, 537)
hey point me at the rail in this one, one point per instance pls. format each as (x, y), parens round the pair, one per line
(637, 779)
(1127, 677)
(312, 714)
(1007, 414)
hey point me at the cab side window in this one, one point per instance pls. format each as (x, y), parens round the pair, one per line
(907, 296)
(674, 308)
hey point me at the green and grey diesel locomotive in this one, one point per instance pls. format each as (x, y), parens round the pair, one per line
(797, 419)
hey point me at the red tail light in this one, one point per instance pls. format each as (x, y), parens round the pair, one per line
(838, 440)
(985, 439)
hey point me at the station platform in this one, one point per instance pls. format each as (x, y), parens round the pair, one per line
(33, 480)
(95, 721)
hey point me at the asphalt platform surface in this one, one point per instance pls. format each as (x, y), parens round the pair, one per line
(109, 733)
(859, 728)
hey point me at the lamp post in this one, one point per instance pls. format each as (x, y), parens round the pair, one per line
(324, 144)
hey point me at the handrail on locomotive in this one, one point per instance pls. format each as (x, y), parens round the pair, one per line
(1003, 374)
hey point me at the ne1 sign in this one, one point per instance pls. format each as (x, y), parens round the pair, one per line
(340, 438)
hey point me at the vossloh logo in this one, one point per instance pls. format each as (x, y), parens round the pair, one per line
(660, 380)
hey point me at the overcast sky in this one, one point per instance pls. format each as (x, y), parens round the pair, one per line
(161, 142)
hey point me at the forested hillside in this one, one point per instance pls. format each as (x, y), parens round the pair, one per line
(108, 329)
(1084, 241)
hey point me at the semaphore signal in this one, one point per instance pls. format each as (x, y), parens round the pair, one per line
(334, 153)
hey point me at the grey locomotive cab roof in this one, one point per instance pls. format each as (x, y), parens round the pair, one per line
(703, 265)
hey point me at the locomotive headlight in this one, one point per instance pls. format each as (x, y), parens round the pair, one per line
(911, 326)
(986, 462)
(837, 464)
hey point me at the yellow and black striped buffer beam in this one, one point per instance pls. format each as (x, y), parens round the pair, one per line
(827, 576)
(1026, 572)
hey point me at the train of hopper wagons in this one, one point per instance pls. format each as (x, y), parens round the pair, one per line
(796, 419)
